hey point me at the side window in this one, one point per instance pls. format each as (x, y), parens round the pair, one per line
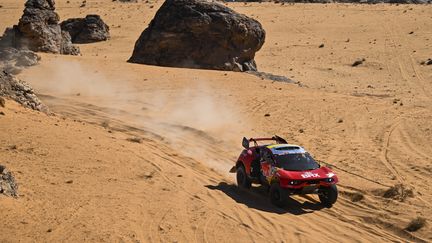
(267, 156)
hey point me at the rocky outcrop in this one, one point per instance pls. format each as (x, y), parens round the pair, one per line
(19, 91)
(199, 34)
(8, 186)
(39, 30)
(13, 60)
(86, 30)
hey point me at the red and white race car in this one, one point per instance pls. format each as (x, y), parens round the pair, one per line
(285, 169)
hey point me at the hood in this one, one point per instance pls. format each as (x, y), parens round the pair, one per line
(320, 173)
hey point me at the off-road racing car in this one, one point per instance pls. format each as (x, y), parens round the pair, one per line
(285, 169)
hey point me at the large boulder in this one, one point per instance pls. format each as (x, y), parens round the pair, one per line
(39, 30)
(199, 34)
(86, 30)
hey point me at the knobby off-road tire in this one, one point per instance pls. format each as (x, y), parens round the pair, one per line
(328, 195)
(243, 180)
(278, 195)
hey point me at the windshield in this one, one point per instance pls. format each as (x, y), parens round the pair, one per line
(296, 162)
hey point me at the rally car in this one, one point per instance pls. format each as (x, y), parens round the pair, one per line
(284, 169)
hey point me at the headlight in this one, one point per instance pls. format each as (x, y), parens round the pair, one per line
(329, 179)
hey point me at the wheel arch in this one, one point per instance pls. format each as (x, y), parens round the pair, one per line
(240, 163)
(237, 165)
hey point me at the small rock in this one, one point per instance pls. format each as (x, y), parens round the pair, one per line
(358, 62)
(267, 114)
(321, 46)
(416, 224)
(301, 130)
(2, 102)
(2, 113)
(340, 120)
(69, 182)
(148, 175)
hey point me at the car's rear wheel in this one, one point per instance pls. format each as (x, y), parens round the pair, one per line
(243, 180)
(278, 195)
(328, 195)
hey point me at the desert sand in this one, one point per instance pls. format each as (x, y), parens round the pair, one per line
(138, 153)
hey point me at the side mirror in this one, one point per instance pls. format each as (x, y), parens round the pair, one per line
(245, 143)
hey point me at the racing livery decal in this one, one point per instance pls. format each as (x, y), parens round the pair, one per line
(309, 175)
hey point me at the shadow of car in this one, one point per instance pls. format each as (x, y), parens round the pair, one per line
(257, 198)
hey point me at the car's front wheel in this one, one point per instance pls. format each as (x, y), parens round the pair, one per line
(278, 195)
(243, 180)
(328, 195)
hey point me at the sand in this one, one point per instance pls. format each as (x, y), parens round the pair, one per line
(81, 177)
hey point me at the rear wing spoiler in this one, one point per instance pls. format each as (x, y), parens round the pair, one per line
(275, 138)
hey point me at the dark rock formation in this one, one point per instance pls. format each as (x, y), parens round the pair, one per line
(199, 34)
(19, 91)
(13, 60)
(86, 30)
(8, 186)
(39, 30)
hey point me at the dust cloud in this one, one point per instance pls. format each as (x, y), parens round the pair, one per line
(192, 120)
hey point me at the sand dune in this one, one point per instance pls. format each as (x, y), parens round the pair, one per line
(83, 179)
